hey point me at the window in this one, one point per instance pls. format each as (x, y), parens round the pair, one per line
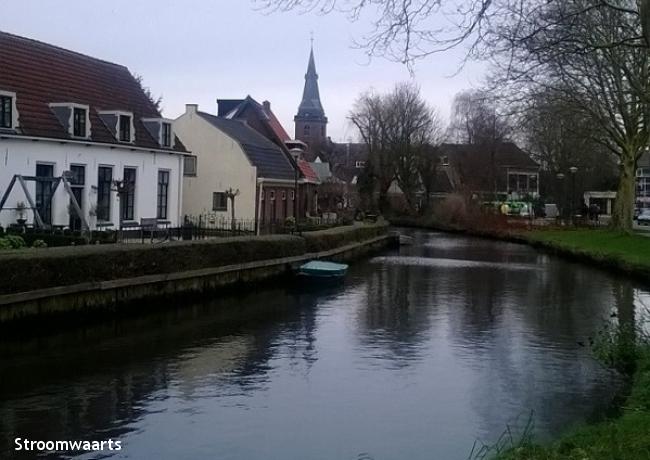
(77, 183)
(104, 183)
(166, 135)
(522, 182)
(163, 191)
(219, 201)
(292, 195)
(79, 122)
(360, 164)
(44, 192)
(306, 130)
(189, 166)
(271, 194)
(127, 194)
(6, 112)
(444, 160)
(322, 131)
(284, 195)
(125, 128)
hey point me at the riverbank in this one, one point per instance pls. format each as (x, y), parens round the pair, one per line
(624, 253)
(41, 282)
(626, 437)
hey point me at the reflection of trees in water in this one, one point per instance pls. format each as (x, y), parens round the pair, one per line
(93, 383)
(534, 353)
(518, 330)
(395, 316)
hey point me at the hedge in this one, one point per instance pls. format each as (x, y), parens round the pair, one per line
(30, 269)
(324, 240)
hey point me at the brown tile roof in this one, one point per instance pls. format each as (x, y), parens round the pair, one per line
(307, 171)
(41, 74)
(477, 168)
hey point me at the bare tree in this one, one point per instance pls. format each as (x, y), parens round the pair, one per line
(413, 124)
(394, 127)
(370, 116)
(475, 119)
(559, 137)
(609, 86)
(407, 30)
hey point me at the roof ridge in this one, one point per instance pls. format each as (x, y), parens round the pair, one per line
(59, 48)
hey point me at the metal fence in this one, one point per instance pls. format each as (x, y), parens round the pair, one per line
(200, 227)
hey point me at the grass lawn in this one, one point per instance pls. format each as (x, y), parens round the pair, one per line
(601, 244)
(624, 438)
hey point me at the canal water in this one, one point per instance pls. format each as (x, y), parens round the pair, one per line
(421, 352)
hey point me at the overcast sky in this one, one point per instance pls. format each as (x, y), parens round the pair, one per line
(195, 51)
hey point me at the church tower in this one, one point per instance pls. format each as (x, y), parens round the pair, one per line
(311, 122)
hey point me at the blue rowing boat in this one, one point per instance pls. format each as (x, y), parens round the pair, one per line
(322, 269)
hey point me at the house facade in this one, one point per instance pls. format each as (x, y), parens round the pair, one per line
(261, 118)
(642, 195)
(230, 155)
(75, 126)
(502, 171)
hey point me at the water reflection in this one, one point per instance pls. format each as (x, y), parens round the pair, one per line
(422, 351)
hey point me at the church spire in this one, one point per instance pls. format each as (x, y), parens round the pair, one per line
(310, 106)
(311, 122)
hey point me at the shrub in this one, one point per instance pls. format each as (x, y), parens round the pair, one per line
(39, 244)
(25, 270)
(15, 241)
(4, 244)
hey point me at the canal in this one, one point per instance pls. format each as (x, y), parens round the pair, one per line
(422, 351)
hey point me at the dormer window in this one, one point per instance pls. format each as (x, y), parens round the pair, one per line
(161, 130)
(8, 113)
(119, 123)
(79, 122)
(125, 128)
(73, 117)
(166, 136)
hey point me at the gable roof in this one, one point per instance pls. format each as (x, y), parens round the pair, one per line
(236, 108)
(307, 171)
(41, 74)
(506, 154)
(270, 161)
(477, 169)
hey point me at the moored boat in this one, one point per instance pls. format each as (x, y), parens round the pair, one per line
(323, 269)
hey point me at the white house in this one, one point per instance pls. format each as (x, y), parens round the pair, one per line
(64, 114)
(219, 165)
(231, 155)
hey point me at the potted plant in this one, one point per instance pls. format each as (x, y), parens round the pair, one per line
(20, 210)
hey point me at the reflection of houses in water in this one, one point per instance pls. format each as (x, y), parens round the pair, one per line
(211, 362)
(103, 380)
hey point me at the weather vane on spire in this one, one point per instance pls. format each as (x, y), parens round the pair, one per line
(311, 39)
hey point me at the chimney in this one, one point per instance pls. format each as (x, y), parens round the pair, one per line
(267, 106)
(191, 108)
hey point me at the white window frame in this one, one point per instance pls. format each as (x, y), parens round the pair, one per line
(118, 114)
(14, 108)
(360, 164)
(196, 162)
(160, 122)
(72, 106)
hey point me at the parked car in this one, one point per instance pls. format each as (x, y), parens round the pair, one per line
(644, 217)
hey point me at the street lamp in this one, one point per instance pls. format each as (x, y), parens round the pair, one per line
(573, 170)
(562, 199)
